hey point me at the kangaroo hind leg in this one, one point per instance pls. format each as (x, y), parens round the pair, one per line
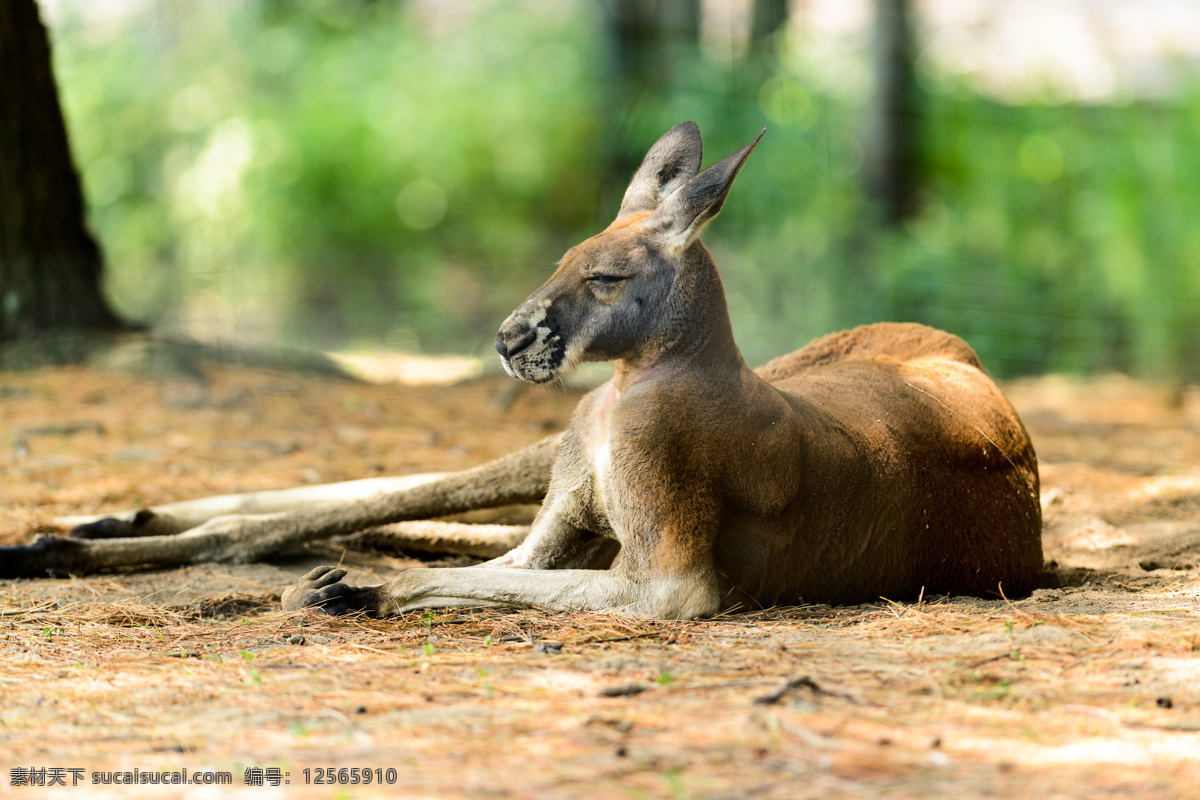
(522, 477)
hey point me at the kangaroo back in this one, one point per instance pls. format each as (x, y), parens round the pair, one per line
(902, 341)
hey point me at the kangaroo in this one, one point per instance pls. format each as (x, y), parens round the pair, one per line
(876, 462)
(879, 461)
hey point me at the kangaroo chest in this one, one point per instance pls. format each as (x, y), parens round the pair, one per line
(598, 451)
(600, 465)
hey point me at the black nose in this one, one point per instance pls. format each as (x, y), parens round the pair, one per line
(517, 345)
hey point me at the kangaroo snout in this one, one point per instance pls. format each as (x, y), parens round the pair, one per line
(529, 348)
(509, 343)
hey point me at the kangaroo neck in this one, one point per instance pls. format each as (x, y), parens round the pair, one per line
(698, 335)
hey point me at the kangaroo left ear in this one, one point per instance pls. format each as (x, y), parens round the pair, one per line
(671, 162)
(684, 213)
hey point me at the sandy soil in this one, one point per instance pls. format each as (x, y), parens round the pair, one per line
(1088, 688)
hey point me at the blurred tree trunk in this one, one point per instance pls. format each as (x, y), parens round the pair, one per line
(647, 36)
(50, 266)
(648, 43)
(768, 17)
(891, 172)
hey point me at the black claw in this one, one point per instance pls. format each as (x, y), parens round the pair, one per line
(338, 609)
(326, 572)
(330, 592)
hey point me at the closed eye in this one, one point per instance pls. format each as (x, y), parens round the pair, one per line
(606, 280)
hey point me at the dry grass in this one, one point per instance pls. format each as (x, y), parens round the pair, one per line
(915, 701)
(1082, 691)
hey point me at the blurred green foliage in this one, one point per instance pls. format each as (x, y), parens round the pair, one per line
(330, 172)
(320, 172)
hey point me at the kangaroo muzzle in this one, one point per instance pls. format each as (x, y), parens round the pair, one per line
(530, 349)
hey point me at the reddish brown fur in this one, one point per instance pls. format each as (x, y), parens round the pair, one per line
(962, 512)
(902, 342)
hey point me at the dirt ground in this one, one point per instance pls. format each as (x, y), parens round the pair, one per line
(1089, 688)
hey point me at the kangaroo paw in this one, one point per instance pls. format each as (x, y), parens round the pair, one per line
(323, 588)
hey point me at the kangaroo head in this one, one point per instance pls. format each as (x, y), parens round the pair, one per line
(617, 295)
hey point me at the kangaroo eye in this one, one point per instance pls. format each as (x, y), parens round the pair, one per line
(605, 280)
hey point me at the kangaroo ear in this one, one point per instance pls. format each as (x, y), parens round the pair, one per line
(671, 162)
(683, 215)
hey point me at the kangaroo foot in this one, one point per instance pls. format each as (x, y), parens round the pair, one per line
(46, 556)
(323, 588)
(131, 525)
